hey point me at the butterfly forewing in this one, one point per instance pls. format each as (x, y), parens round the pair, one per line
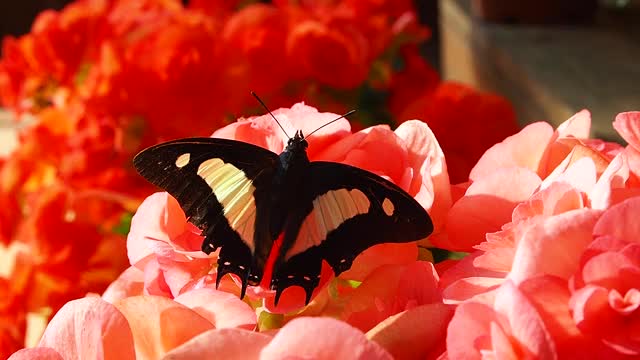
(221, 186)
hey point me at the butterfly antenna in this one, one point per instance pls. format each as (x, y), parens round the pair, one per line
(332, 121)
(270, 113)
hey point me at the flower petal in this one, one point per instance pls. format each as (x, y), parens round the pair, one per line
(322, 338)
(415, 333)
(129, 283)
(89, 328)
(221, 343)
(222, 309)
(525, 322)
(620, 221)
(159, 324)
(553, 246)
(430, 182)
(487, 205)
(38, 353)
(578, 126)
(524, 149)
(628, 126)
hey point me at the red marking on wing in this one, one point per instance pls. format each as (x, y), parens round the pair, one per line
(271, 260)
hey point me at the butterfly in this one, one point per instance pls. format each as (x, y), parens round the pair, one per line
(243, 197)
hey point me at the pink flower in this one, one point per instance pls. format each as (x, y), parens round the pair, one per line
(564, 250)
(399, 305)
(166, 247)
(605, 300)
(389, 290)
(509, 328)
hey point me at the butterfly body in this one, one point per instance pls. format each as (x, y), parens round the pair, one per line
(244, 198)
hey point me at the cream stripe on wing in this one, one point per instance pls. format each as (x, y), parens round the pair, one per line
(234, 191)
(330, 210)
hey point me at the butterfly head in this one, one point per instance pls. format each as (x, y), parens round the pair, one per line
(297, 142)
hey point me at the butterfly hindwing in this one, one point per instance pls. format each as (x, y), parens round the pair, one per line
(221, 186)
(346, 210)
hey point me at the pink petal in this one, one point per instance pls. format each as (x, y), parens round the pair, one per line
(262, 131)
(376, 149)
(466, 268)
(38, 353)
(222, 309)
(477, 289)
(265, 132)
(525, 149)
(229, 344)
(379, 255)
(158, 220)
(322, 338)
(488, 205)
(626, 305)
(565, 171)
(525, 322)
(628, 126)
(501, 344)
(579, 172)
(591, 311)
(468, 331)
(578, 126)
(431, 181)
(606, 270)
(154, 281)
(129, 283)
(498, 251)
(89, 328)
(415, 333)
(550, 296)
(389, 290)
(553, 246)
(614, 177)
(177, 274)
(558, 198)
(159, 324)
(633, 159)
(620, 221)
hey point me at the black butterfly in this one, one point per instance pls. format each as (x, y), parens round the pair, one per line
(244, 197)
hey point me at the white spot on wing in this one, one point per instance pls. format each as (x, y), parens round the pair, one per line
(330, 210)
(234, 191)
(183, 160)
(388, 207)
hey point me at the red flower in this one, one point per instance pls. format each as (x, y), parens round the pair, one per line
(255, 41)
(333, 54)
(465, 121)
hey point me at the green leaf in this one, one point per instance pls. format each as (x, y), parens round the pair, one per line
(270, 321)
(334, 286)
(124, 225)
(442, 255)
(83, 72)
